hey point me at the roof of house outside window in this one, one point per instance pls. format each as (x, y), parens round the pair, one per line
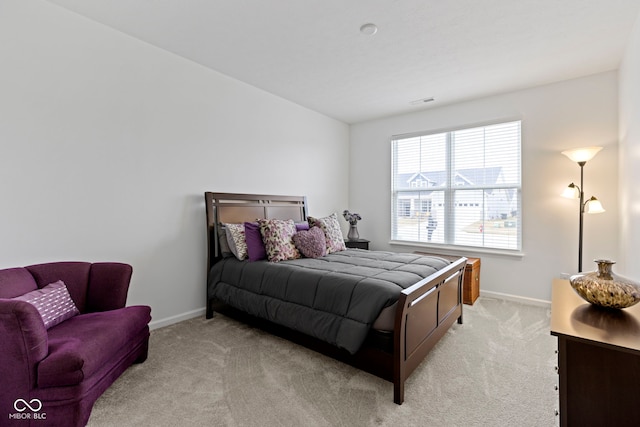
(475, 176)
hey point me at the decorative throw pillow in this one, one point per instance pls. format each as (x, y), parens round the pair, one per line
(311, 243)
(332, 231)
(277, 237)
(225, 251)
(255, 246)
(236, 239)
(300, 226)
(53, 302)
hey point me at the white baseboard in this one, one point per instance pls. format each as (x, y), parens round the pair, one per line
(516, 298)
(160, 323)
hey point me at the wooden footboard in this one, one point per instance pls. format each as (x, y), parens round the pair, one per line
(425, 312)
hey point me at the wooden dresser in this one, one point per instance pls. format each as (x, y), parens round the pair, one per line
(598, 360)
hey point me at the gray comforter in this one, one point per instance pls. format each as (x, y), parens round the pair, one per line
(335, 298)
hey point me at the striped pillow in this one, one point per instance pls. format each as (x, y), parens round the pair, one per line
(53, 302)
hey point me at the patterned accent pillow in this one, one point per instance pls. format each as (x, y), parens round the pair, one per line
(53, 302)
(311, 243)
(236, 240)
(332, 231)
(277, 237)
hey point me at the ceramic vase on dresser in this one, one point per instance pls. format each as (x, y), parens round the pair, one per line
(605, 288)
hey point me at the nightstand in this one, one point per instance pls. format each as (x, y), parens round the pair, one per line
(471, 284)
(357, 243)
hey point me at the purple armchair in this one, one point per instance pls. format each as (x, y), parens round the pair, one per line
(57, 374)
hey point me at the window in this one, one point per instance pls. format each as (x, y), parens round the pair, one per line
(460, 187)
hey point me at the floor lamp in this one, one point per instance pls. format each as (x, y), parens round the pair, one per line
(581, 156)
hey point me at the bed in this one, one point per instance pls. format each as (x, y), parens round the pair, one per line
(420, 312)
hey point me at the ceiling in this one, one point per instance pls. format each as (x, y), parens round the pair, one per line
(311, 52)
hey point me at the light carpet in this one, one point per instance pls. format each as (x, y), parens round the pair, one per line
(497, 369)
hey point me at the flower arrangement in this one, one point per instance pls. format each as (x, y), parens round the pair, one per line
(352, 218)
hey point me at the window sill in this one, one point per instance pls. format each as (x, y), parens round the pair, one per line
(459, 250)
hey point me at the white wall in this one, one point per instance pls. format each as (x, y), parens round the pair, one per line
(629, 131)
(571, 114)
(108, 144)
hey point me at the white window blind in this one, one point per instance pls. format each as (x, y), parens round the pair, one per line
(460, 187)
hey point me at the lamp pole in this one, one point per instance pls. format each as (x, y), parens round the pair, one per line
(581, 215)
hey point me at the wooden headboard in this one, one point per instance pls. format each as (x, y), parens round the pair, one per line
(238, 208)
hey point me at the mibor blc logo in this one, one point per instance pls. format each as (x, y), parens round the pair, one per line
(28, 410)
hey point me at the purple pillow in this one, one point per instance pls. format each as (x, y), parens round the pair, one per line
(300, 226)
(255, 246)
(311, 243)
(53, 302)
(332, 232)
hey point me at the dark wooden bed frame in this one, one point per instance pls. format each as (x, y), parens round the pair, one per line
(425, 310)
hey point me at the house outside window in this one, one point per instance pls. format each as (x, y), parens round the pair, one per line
(404, 208)
(459, 187)
(424, 206)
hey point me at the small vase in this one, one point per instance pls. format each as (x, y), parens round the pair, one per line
(605, 288)
(353, 232)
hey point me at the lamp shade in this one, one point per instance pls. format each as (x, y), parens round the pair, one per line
(594, 206)
(582, 154)
(571, 192)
